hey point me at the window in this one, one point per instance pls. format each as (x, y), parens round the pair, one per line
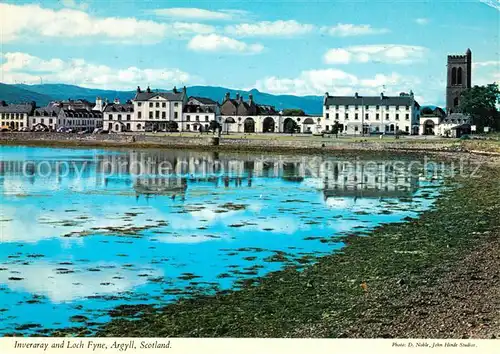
(128, 116)
(377, 116)
(407, 129)
(139, 104)
(188, 119)
(397, 116)
(356, 107)
(206, 118)
(119, 117)
(150, 104)
(176, 115)
(150, 114)
(387, 116)
(356, 116)
(327, 116)
(187, 126)
(407, 117)
(377, 108)
(157, 114)
(337, 107)
(139, 115)
(397, 108)
(164, 115)
(50, 121)
(34, 121)
(346, 106)
(164, 105)
(176, 104)
(407, 108)
(367, 107)
(367, 116)
(356, 128)
(336, 116)
(157, 104)
(347, 116)
(110, 117)
(327, 107)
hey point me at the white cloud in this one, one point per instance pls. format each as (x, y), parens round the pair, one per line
(268, 28)
(336, 82)
(75, 5)
(388, 53)
(27, 21)
(24, 68)
(493, 3)
(222, 44)
(349, 30)
(486, 63)
(422, 21)
(198, 14)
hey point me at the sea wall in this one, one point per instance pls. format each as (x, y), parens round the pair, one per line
(225, 142)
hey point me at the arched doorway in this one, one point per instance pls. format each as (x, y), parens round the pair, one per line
(308, 125)
(428, 127)
(117, 128)
(289, 126)
(249, 125)
(268, 125)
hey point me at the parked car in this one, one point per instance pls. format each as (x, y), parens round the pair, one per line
(81, 132)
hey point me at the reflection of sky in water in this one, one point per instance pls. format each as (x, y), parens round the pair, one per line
(77, 246)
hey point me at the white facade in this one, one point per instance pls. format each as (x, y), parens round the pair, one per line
(365, 115)
(118, 117)
(271, 124)
(152, 110)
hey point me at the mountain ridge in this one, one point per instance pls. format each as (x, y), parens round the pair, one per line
(50, 92)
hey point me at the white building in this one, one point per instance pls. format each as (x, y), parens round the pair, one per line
(436, 122)
(44, 118)
(199, 112)
(372, 114)
(239, 116)
(15, 116)
(154, 110)
(118, 117)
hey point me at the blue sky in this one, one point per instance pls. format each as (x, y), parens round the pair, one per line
(281, 47)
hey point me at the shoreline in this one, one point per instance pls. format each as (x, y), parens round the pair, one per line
(433, 276)
(255, 144)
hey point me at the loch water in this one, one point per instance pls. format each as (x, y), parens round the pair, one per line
(85, 230)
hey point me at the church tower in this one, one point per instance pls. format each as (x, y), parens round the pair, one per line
(459, 79)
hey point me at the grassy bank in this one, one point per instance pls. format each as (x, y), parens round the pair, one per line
(389, 284)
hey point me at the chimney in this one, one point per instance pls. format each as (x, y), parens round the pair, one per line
(325, 97)
(237, 97)
(148, 90)
(138, 89)
(174, 90)
(116, 101)
(250, 99)
(184, 90)
(356, 95)
(3, 103)
(227, 96)
(381, 95)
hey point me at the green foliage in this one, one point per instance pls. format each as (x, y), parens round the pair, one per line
(293, 112)
(480, 102)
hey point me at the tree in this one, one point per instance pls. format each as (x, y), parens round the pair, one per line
(335, 129)
(480, 102)
(172, 126)
(293, 112)
(214, 126)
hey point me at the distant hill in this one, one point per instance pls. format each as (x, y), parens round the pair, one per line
(310, 104)
(15, 94)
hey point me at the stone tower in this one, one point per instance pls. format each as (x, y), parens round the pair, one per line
(459, 79)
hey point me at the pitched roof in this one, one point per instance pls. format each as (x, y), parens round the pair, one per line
(116, 107)
(82, 113)
(17, 108)
(370, 100)
(46, 111)
(169, 96)
(204, 100)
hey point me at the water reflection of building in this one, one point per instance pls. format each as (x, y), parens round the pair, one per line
(370, 180)
(160, 186)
